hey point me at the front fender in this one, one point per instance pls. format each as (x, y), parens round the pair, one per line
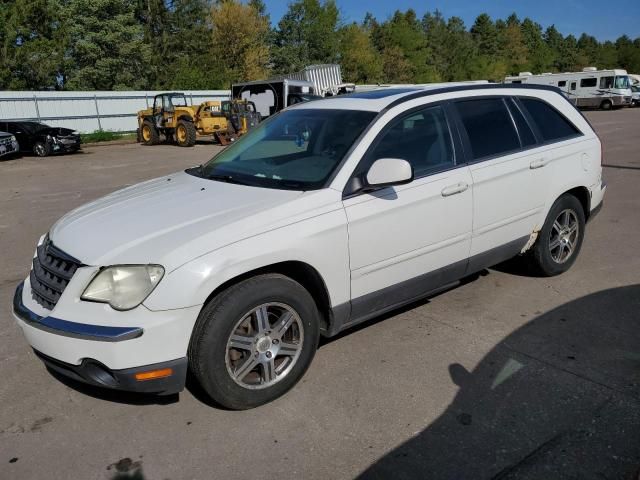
(321, 242)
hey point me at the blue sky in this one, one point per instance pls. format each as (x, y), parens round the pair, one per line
(606, 21)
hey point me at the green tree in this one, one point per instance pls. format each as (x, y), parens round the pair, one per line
(395, 67)
(239, 41)
(306, 35)
(588, 49)
(485, 35)
(540, 57)
(403, 34)
(189, 62)
(360, 61)
(513, 49)
(106, 49)
(628, 54)
(33, 43)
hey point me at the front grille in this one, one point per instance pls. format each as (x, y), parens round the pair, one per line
(52, 270)
(7, 143)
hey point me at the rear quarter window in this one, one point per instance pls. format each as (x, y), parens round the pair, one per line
(552, 125)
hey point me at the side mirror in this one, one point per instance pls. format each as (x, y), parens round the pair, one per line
(389, 171)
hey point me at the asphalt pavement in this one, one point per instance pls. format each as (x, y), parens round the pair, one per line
(506, 376)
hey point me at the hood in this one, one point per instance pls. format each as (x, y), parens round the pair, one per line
(174, 219)
(5, 134)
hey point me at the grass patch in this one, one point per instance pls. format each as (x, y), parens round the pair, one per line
(104, 136)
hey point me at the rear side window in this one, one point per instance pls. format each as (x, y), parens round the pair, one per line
(526, 135)
(552, 124)
(562, 83)
(489, 127)
(588, 82)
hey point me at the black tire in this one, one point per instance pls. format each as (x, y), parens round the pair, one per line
(149, 133)
(606, 105)
(41, 149)
(185, 133)
(210, 358)
(546, 259)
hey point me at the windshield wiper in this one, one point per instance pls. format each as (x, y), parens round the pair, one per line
(227, 179)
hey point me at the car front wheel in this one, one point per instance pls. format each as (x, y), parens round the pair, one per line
(254, 341)
(41, 149)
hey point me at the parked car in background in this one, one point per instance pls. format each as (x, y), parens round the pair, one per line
(41, 139)
(320, 218)
(635, 95)
(8, 144)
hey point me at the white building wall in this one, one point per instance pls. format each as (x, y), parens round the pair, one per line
(88, 111)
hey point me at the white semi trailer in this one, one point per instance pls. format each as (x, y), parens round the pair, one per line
(591, 87)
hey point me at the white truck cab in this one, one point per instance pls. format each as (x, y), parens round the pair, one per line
(326, 215)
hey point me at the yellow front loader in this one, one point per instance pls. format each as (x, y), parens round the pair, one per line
(173, 118)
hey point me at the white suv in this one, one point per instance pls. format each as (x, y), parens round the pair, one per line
(324, 216)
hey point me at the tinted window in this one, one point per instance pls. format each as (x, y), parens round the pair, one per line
(573, 85)
(588, 82)
(526, 135)
(489, 126)
(422, 138)
(551, 123)
(562, 83)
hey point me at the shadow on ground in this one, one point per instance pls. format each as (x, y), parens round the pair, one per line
(558, 398)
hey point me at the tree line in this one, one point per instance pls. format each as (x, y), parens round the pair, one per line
(208, 44)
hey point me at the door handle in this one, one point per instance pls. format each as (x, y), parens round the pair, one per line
(453, 189)
(539, 163)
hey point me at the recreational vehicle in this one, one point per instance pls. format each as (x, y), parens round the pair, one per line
(591, 87)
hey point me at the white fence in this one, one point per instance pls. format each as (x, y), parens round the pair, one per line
(88, 111)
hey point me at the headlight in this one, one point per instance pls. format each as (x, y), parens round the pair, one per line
(12, 138)
(124, 286)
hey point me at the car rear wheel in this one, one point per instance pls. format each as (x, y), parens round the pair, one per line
(41, 149)
(254, 341)
(560, 239)
(606, 105)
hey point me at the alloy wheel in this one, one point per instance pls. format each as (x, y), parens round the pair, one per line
(564, 236)
(264, 345)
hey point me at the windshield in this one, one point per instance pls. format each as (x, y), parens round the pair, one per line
(622, 81)
(179, 101)
(295, 150)
(34, 126)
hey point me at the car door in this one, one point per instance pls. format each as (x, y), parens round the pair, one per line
(409, 239)
(508, 177)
